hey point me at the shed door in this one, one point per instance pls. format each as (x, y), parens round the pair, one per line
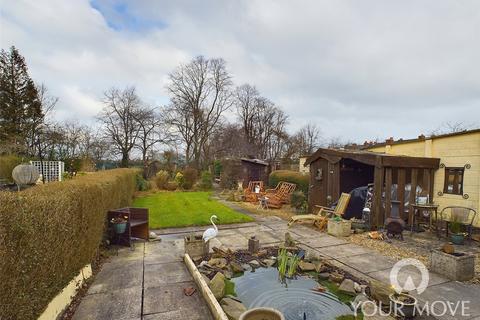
(318, 183)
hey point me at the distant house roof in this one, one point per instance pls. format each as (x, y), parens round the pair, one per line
(419, 138)
(256, 161)
(374, 158)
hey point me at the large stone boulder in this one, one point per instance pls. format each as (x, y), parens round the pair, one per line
(347, 286)
(217, 263)
(306, 266)
(233, 308)
(236, 267)
(217, 285)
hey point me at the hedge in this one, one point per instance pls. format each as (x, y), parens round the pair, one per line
(7, 163)
(301, 180)
(49, 232)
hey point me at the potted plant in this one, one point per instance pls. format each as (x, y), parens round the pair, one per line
(339, 227)
(119, 224)
(458, 236)
(403, 304)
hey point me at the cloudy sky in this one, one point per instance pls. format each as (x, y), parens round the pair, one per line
(359, 69)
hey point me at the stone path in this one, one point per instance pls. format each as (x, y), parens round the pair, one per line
(147, 283)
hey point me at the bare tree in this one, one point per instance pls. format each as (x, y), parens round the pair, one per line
(306, 139)
(246, 99)
(153, 130)
(119, 120)
(200, 93)
(451, 127)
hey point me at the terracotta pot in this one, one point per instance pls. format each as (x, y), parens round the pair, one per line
(262, 314)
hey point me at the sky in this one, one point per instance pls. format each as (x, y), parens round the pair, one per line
(359, 70)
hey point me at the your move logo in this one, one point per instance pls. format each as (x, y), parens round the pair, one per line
(409, 284)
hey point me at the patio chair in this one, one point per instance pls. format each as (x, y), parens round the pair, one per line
(281, 194)
(250, 192)
(320, 218)
(464, 215)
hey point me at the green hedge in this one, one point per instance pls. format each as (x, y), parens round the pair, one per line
(48, 233)
(301, 180)
(7, 163)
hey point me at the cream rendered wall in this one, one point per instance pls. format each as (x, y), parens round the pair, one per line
(453, 151)
(303, 169)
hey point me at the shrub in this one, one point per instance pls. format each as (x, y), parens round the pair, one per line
(206, 180)
(7, 163)
(298, 200)
(190, 176)
(302, 181)
(141, 183)
(179, 179)
(49, 232)
(161, 179)
(171, 186)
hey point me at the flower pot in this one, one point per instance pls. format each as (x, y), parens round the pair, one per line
(403, 305)
(120, 227)
(457, 238)
(340, 228)
(262, 314)
(458, 266)
(195, 246)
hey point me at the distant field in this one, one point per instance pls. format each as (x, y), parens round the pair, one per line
(182, 209)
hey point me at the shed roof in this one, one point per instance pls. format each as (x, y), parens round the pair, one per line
(374, 158)
(255, 161)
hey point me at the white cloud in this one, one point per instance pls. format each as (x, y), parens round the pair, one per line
(361, 69)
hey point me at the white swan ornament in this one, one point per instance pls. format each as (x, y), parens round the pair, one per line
(211, 233)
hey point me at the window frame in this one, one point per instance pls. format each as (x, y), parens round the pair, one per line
(458, 172)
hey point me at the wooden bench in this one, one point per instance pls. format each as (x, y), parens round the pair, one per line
(137, 224)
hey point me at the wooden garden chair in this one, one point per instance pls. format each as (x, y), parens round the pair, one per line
(249, 192)
(281, 194)
(323, 213)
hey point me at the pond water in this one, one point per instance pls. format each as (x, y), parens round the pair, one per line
(294, 299)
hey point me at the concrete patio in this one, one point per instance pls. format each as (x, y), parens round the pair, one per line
(148, 282)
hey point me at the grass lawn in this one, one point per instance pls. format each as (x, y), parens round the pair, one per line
(182, 209)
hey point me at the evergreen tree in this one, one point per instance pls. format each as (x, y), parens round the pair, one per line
(20, 107)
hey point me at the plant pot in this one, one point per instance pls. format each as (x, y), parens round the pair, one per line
(458, 266)
(195, 246)
(120, 227)
(457, 238)
(339, 228)
(403, 305)
(262, 314)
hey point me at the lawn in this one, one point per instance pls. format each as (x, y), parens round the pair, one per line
(181, 209)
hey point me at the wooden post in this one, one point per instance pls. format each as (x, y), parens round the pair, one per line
(401, 191)
(377, 192)
(388, 192)
(413, 193)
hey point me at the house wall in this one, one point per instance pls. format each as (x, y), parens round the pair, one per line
(302, 168)
(453, 151)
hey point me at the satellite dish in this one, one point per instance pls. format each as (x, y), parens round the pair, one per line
(24, 174)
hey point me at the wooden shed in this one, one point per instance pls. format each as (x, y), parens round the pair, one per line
(335, 171)
(254, 170)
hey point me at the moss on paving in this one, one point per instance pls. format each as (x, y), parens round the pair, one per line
(182, 209)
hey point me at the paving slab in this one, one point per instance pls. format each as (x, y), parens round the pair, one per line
(453, 292)
(344, 250)
(197, 314)
(120, 304)
(164, 252)
(367, 262)
(163, 273)
(304, 231)
(265, 237)
(111, 279)
(408, 271)
(322, 240)
(233, 242)
(170, 297)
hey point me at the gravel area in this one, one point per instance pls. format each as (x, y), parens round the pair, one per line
(414, 246)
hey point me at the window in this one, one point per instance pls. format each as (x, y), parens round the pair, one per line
(453, 181)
